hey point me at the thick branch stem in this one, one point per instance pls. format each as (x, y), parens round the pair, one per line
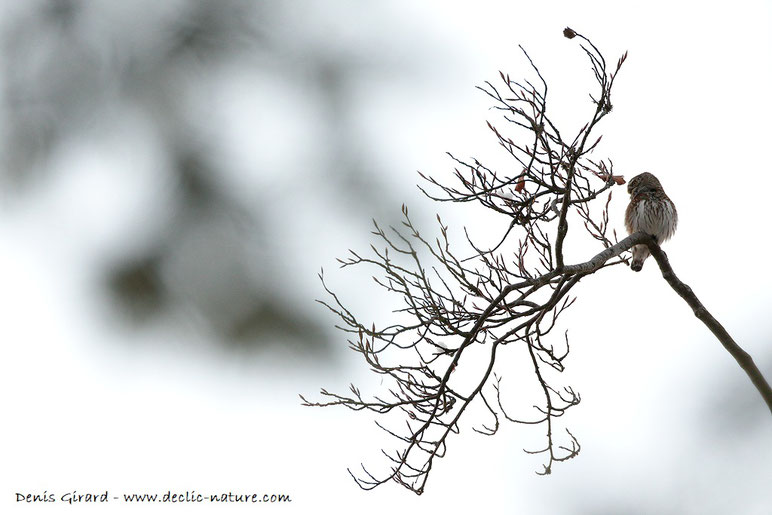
(743, 358)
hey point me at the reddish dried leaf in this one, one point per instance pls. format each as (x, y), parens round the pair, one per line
(520, 185)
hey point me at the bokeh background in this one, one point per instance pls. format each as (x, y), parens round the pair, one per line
(173, 176)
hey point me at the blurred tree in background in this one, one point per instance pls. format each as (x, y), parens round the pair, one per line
(194, 91)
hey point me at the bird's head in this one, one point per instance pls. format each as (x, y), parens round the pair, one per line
(643, 182)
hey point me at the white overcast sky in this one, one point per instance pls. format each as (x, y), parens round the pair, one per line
(668, 423)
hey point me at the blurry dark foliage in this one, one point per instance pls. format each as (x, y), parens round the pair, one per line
(65, 70)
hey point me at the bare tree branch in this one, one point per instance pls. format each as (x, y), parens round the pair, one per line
(463, 310)
(743, 358)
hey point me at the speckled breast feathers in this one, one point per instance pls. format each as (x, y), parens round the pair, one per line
(651, 211)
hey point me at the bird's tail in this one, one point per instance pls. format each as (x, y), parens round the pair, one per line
(640, 253)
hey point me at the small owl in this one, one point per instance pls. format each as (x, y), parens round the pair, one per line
(651, 211)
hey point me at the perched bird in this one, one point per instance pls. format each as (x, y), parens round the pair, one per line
(651, 211)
